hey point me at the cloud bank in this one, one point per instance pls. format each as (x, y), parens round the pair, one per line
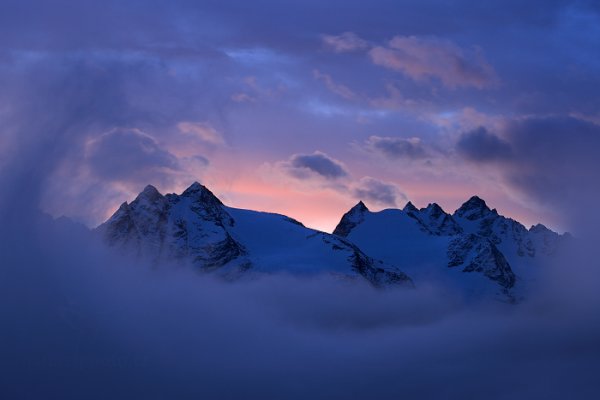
(80, 322)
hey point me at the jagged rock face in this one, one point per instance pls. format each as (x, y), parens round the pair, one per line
(500, 229)
(141, 225)
(434, 220)
(478, 254)
(351, 219)
(206, 204)
(546, 240)
(191, 227)
(195, 227)
(507, 233)
(410, 207)
(474, 208)
(378, 273)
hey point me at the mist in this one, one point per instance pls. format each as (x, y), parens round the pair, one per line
(79, 321)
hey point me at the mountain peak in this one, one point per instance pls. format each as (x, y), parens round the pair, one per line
(352, 218)
(201, 193)
(434, 209)
(360, 206)
(475, 201)
(149, 189)
(149, 194)
(474, 208)
(539, 228)
(194, 188)
(410, 207)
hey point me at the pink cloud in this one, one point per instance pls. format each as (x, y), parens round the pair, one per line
(241, 97)
(345, 42)
(339, 89)
(425, 58)
(201, 130)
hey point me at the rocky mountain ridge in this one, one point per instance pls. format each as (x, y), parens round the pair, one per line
(474, 239)
(474, 248)
(198, 229)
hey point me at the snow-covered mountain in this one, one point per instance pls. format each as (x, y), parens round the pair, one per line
(475, 250)
(197, 228)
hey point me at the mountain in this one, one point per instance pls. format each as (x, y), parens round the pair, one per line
(196, 228)
(474, 250)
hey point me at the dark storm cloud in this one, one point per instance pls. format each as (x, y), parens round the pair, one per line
(374, 190)
(481, 145)
(555, 160)
(74, 99)
(130, 155)
(397, 148)
(318, 163)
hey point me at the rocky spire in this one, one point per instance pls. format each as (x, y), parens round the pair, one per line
(410, 207)
(201, 194)
(352, 218)
(473, 209)
(150, 193)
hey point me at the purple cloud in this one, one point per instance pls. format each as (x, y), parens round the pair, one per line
(481, 145)
(334, 87)
(306, 165)
(130, 155)
(345, 42)
(554, 160)
(397, 147)
(374, 190)
(423, 58)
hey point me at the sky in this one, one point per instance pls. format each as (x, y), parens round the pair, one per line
(303, 107)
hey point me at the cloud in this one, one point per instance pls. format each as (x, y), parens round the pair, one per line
(345, 42)
(241, 97)
(374, 190)
(423, 58)
(481, 145)
(304, 166)
(557, 161)
(396, 148)
(339, 89)
(203, 131)
(553, 160)
(320, 171)
(129, 155)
